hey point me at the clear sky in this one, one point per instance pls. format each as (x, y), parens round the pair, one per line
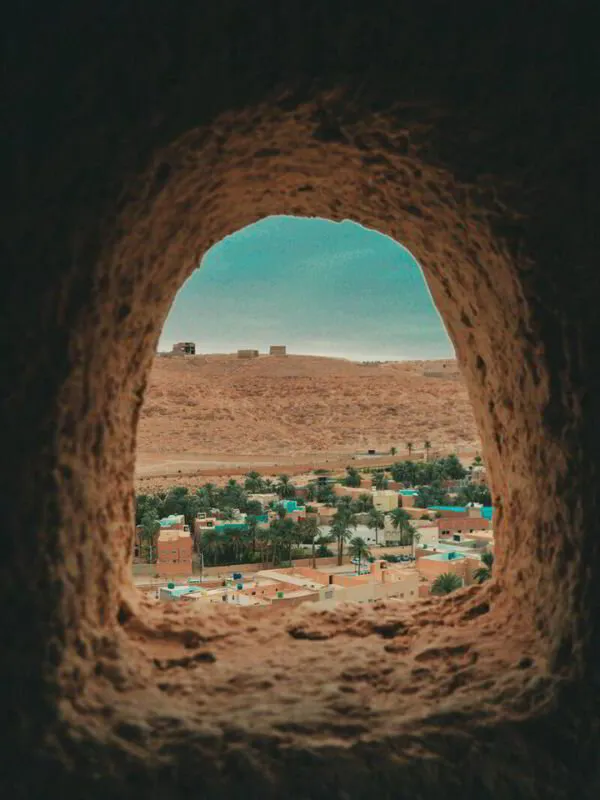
(320, 287)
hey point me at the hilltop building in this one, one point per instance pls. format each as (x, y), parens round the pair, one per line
(184, 348)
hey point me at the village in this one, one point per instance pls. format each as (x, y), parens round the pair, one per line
(415, 528)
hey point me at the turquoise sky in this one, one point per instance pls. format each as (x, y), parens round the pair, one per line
(320, 287)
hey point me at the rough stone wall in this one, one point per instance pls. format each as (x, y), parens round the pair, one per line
(138, 137)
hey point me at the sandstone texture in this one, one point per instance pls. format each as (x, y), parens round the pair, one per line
(137, 137)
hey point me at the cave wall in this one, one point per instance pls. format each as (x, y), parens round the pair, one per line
(139, 136)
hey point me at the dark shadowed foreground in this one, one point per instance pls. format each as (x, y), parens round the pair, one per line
(137, 138)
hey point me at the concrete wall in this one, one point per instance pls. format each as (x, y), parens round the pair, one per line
(385, 500)
(180, 569)
(429, 535)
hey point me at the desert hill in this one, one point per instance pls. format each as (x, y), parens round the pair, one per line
(212, 407)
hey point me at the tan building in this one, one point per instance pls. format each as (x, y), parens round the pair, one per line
(323, 512)
(385, 500)
(277, 350)
(432, 566)
(247, 353)
(460, 527)
(428, 535)
(354, 492)
(264, 498)
(184, 348)
(174, 549)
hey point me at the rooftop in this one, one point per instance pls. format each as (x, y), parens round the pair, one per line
(452, 555)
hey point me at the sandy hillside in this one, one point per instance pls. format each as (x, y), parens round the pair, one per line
(222, 407)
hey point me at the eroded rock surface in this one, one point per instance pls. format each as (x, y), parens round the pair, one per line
(137, 139)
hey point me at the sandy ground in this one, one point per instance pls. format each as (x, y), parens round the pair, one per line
(217, 415)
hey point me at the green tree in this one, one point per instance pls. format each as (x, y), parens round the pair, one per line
(427, 448)
(263, 543)
(409, 447)
(252, 508)
(311, 492)
(207, 495)
(236, 538)
(284, 488)
(358, 549)
(433, 495)
(352, 477)
(150, 527)
(325, 494)
(446, 583)
(309, 529)
(212, 545)
(376, 522)
(232, 495)
(146, 504)
(451, 468)
(379, 480)
(252, 524)
(342, 523)
(364, 502)
(254, 482)
(474, 493)
(401, 523)
(484, 573)
(177, 501)
(393, 451)
(284, 535)
(345, 502)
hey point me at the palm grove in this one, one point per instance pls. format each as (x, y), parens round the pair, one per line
(280, 541)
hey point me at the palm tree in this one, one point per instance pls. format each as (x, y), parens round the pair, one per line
(484, 573)
(237, 537)
(263, 542)
(311, 492)
(309, 529)
(285, 489)
(211, 543)
(409, 447)
(376, 521)
(344, 502)
(445, 583)
(150, 527)
(288, 535)
(359, 549)
(352, 477)
(364, 502)
(401, 523)
(342, 521)
(379, 480)
(227, 514)
(427, 447)
(252, 525)
(393, 451)
(253, 482)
